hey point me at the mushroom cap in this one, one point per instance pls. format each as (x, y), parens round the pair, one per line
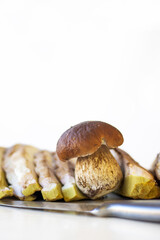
(86, 138)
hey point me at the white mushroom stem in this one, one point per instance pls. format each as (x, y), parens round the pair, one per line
(63, 170)
(45, 171)
(156, 167)
(19, 169)
(138, 183)
(129, 166)
(65, 173)
(5, 190)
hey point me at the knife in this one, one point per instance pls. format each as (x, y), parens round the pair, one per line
(144, 210)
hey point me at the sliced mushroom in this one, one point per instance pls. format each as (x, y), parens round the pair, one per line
(5, 190)
(19, 169)
(97, 172)
(156, 167)
(51, 188)
(154, 193)
(138, 183)
(65, 173)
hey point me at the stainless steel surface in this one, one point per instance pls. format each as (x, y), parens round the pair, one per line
(111, 206)
(131, 209)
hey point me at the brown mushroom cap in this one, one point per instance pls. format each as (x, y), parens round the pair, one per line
(85, 138)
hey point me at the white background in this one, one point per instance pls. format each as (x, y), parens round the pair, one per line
(63, 62)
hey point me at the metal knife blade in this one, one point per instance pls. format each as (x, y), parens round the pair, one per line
(77, 206)
(111, 206)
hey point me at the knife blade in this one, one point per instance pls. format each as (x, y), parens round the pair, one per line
(144, 210)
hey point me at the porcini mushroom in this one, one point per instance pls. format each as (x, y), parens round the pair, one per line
(19, 169)
(65, 173)
(51, 187)
(156, 167)
(138, 183)
(5, 190)
(97, 172)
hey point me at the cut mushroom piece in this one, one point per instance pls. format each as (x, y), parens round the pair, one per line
(5, 190)
(28, 198)
(65, 173)
(51, 188)
(19, 169)
(154, 193)
(138, 183)
(97, 172)
(156, 167)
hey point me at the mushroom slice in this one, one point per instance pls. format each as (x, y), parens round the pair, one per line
(156, 167)
(51, 188)
(138, 183)
(97, 172)
(65, 173)
(5, 190)
(19, 168)
(154, 193)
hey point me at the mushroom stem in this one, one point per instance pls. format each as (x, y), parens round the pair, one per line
(65, 173)
(51, 188)
(98, 174)
(156, 167)
(138, 183)
(19, 169)
(5, 190)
